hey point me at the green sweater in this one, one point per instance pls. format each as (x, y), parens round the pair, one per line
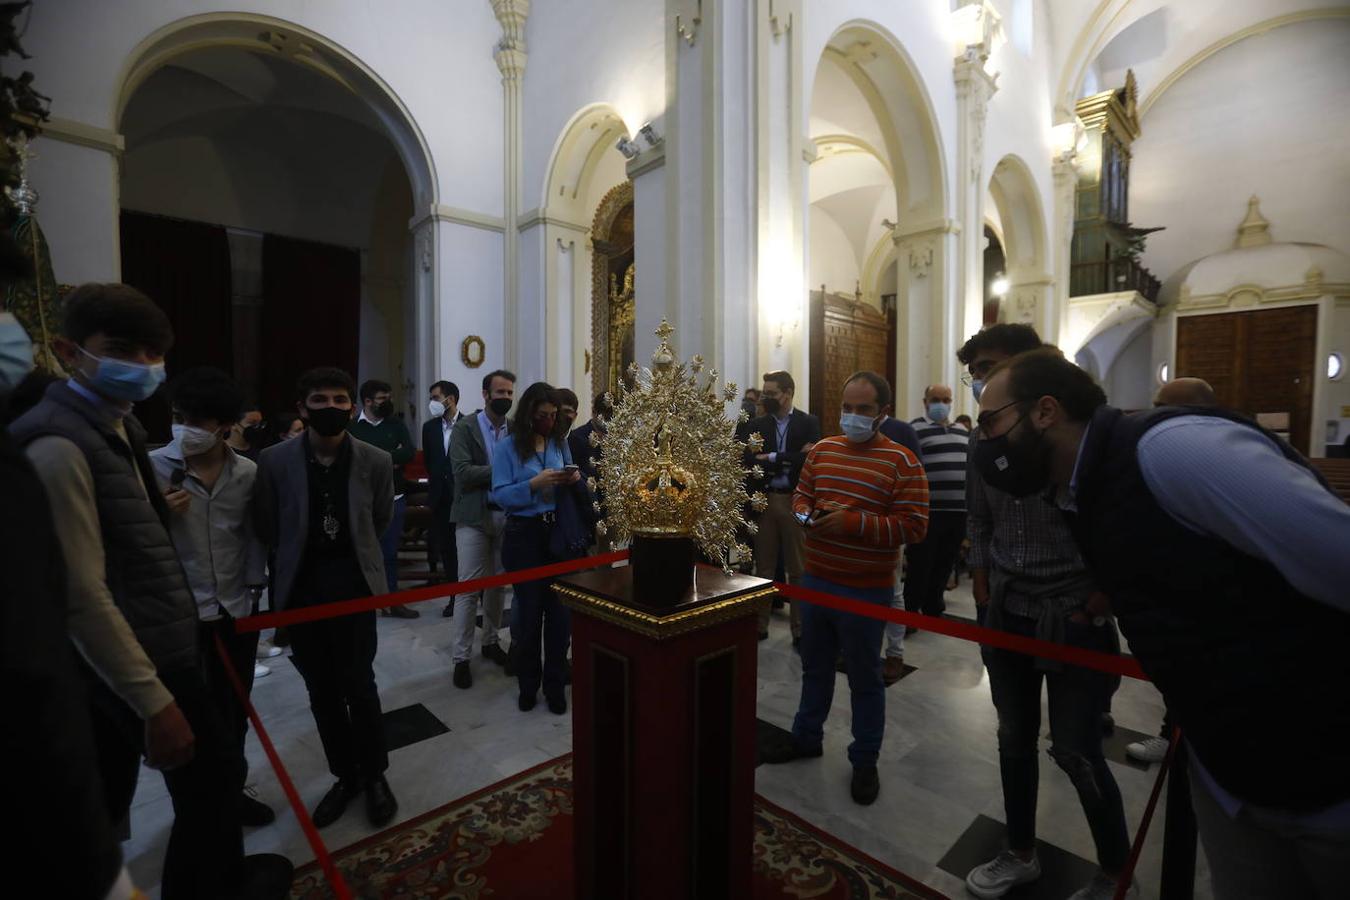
(391, 436)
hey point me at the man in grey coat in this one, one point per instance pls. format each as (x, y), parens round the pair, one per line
(321, 503)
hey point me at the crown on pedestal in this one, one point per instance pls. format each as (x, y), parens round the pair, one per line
(671, 464)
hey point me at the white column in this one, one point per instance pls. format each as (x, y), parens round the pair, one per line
(511, 56)
(974, 88)
(928, 327)
(1066, 187)
(75, 170)
(651, 253)
(422, 313)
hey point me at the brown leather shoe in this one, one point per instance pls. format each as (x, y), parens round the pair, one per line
(892, 670)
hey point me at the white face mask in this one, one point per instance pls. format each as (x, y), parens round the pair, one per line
(194, 441)
(858, 429)
(436, 408)
(16, 352)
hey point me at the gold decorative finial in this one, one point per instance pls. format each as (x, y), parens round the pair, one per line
(671, 464)
(1255, 228)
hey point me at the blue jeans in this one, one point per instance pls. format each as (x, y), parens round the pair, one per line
(826, 633)
(389, 541)
(537, 614)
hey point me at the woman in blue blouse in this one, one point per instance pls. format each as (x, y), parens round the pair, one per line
(526, 470)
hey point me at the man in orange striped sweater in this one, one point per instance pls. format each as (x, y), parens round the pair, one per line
(863, 497)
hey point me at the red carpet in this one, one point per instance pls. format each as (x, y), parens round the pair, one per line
(513, 841)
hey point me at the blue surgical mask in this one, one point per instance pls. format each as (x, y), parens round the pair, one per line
(16, 352)
(857, 429)
(976, 387)
(126, 381)
(938, 411)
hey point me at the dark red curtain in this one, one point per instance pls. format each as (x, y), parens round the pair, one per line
(185, 268)
(311, 314)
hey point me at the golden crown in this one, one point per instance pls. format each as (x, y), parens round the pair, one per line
(671, 464)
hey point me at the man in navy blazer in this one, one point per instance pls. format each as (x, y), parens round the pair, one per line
(444, 409)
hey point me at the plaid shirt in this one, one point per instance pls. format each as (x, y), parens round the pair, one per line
(1026, 537)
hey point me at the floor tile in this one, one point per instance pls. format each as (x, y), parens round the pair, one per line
(410, 725)
(1062, 872)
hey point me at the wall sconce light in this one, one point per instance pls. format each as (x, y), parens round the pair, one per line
(628, 148)
(649, 135)
(999, 287)
(1164, 373)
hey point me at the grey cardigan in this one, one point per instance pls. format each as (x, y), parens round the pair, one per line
(281, 511)
(472, 470)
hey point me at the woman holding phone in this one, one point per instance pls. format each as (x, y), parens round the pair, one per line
(527, 470)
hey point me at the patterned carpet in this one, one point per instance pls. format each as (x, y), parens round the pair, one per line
(513, 841)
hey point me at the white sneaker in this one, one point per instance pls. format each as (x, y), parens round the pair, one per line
(267, 651)
(1001, 874)
(261, 671)
(1150, 751)
(1103, 887)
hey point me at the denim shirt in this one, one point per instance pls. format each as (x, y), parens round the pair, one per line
(511, 476)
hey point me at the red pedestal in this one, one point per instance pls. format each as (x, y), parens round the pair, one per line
(663, 705)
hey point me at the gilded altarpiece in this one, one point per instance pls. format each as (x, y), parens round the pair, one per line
(612, 289)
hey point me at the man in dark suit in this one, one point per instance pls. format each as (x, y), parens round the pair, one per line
(579, 441)
(444, 409)
(788, 434)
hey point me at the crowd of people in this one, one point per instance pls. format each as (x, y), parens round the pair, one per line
(1211, 543)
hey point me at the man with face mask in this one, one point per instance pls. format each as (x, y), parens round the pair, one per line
(443, 406)
(479, 524)
(1029, 579)
(321, 503)
(208, 488)
(1218, 545)
(131, 613)
(861, 496)
(377, 425)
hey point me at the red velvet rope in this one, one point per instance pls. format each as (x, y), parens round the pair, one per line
(1127, 875)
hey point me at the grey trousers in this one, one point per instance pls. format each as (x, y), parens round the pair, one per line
(480, 555)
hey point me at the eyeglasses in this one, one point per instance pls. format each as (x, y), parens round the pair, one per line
(978, 371)
(984, 418)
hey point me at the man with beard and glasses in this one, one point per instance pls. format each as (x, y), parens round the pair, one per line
(377, 425)
(1029, 579)
(1224, 555)
(321, 503)
(479, 524)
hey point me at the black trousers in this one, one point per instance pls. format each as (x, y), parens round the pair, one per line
(336, 658)
(206, 846)
(242, 651)
(443, 541)
(928, 564)
(537, 614)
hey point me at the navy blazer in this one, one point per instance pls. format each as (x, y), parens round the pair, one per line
(440, 478)
(583, 454)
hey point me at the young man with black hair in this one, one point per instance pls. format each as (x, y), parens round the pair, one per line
(443, 406)
(1218, 545)
(131, 613)
(208, 488)
(377, 425)
(479, 523)
(579, 441)
(1029, 579)
(321, 503)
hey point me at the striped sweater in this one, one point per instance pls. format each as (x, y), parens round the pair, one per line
(945, 448)
(883, 488)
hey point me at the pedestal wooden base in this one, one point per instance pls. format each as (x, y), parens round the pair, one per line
(663, 705)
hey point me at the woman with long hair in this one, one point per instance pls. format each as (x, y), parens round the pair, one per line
(527, 471)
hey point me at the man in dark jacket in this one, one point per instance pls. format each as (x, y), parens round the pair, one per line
(443, 406)
(788, 435)
(1217, 545)
(377, 425)
(130, 611)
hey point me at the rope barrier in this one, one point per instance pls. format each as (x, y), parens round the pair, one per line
(330, 871)
(1127, 874)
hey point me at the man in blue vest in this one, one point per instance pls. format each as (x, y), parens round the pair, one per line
(1224, 557)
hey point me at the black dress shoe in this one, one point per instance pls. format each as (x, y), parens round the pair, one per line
(402, 612)
(866, 785)
(526, 703)
(449, 610)
(267, 876)
(495, 653)
(786, 749)
(380, 802)
(254, 813)
(463, 677)
(334, 803)
(557, 705)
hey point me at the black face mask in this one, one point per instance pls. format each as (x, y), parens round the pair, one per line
(500, 406)
(1014, 467)
(328, 421)
(384, 410)
(772, 405)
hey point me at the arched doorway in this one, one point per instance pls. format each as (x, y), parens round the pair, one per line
(876, 232)
(1025, 294)
(286, 168)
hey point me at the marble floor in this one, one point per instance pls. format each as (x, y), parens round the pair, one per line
(939, 765)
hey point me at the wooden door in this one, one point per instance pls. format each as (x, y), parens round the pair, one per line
(1260, 363)
(846, 336)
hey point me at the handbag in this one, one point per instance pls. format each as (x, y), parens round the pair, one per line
(574, 522)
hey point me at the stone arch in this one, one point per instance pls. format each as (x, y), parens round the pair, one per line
(1022, 220)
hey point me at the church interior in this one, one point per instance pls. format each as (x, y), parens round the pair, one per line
(422, 191)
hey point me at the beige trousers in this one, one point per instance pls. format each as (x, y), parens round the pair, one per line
(780, 536)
